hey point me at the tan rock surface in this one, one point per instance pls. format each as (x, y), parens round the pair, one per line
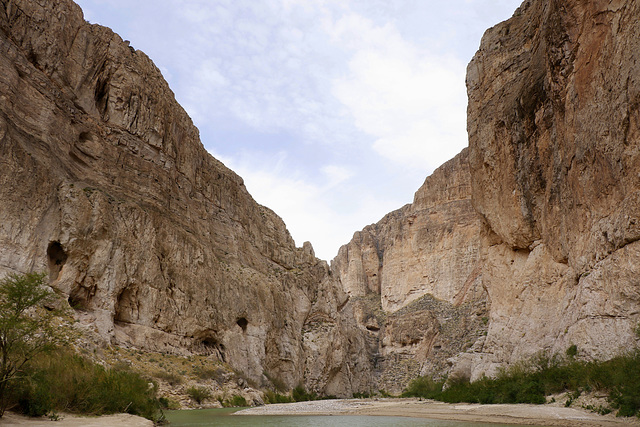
(428, 247)
(105, 184)
(530, 236)
(414, 279)
(554, 98)
(545, 216)
(553, 128)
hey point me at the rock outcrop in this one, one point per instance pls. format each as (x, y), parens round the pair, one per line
(526, 242)
(415, 279)
(545, 218)
(105, 184)
(554, 134)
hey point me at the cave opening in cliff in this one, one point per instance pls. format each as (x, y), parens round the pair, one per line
(242, 322)
(78, 299)
(57, 257)
(85, 136)
(75, 302)
(126, 309)
(213, 346)
(101, 95)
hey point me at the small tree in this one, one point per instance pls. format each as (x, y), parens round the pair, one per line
(26, 328)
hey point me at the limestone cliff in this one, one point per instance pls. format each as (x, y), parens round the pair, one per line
(527, 241)
(105, 184)
(540, 229)
(414, 278)
(554, 135)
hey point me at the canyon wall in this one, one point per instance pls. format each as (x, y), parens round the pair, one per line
(525, 242)
(541, 225)
(156, 245)
(415, 280)
(554, 121)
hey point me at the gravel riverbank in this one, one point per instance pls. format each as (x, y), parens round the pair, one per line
(542, 415)
(68, 420)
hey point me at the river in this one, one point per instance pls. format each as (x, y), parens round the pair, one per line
(224, 417)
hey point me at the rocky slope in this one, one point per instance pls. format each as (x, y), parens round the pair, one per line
(105, 184)
(415, 279)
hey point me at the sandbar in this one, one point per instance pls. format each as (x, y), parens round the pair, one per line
(517, 414)
(69, 420)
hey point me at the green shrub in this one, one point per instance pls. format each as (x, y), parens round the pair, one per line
(274, 397)
(532, 382)
(29, 326)
(238, 401)
(299, 394)
(164, 402)
(199, 394)
(361, 395)
(69, 382)
(424, 387)
(168, 403)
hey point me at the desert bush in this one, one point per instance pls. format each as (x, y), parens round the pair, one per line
(237, 401)
(64, 381)
(299, 394)
(27, 328)
(274, 397)
(198, 394)
(572, 350)
(531, 383)
(424, 387)
(361, 395)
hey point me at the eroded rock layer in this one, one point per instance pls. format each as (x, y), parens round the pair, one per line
(539, 231)
(554, 133)
(105, 184)
(415, 279)
(526, 242)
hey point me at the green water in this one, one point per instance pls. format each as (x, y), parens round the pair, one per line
(223, 417)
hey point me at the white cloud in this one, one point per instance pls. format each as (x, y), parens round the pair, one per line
(336, 175)
(333, 111)
(304, 205)
(411, 101)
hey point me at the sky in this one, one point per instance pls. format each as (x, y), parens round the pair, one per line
(332, 111)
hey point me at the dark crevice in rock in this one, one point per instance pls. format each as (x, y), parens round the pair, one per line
(212, 346)
(127, 306)
(57, 257)
(242, 322)
(102, 95)
(77, 301)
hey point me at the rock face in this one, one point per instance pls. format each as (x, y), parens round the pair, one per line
(526, 242)
(415, 279)
(554, 133)
(540, 229)
(105, 184)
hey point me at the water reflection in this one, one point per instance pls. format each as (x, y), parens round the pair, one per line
(223, 417)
